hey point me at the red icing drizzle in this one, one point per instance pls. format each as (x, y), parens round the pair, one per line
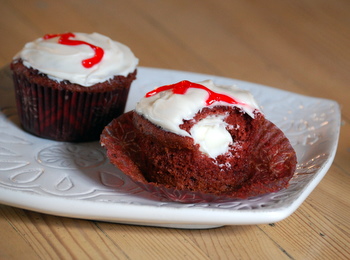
(182, 86)
(64, 39)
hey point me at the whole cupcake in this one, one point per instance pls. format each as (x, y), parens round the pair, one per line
(69, 86)
(203, 138)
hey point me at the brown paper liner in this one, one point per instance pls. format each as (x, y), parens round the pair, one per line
(66, 115)
(272, 161)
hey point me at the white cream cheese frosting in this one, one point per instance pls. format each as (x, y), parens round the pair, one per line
(64, 62)
(168, 110)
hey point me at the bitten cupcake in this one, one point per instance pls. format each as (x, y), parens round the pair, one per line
(187, 140)
(69, 86)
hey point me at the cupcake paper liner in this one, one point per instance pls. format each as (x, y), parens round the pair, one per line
(65, 115)
(272, 156)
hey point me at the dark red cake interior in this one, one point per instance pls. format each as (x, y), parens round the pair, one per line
(260, 160)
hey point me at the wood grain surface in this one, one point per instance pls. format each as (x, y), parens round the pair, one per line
(299, 46)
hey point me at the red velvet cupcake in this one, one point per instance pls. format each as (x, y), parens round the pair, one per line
(70, 86)
(192, 142)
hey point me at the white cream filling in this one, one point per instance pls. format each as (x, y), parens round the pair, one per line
(211, 135)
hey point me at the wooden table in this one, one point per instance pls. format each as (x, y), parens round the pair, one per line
(299, 46)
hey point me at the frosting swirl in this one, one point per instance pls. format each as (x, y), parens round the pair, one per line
(64, 62)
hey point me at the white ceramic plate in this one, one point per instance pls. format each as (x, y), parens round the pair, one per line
(76, 180)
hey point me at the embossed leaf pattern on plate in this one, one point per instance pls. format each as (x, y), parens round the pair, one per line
(70, 156)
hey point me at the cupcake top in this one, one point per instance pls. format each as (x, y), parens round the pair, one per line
(168, 106)
(84, 59)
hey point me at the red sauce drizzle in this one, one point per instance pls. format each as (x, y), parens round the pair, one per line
(182, 86)
(64, 39)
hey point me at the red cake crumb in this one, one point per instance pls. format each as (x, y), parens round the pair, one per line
(260, 159)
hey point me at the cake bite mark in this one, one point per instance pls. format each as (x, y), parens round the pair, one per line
(64, 38)
(182, 87)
